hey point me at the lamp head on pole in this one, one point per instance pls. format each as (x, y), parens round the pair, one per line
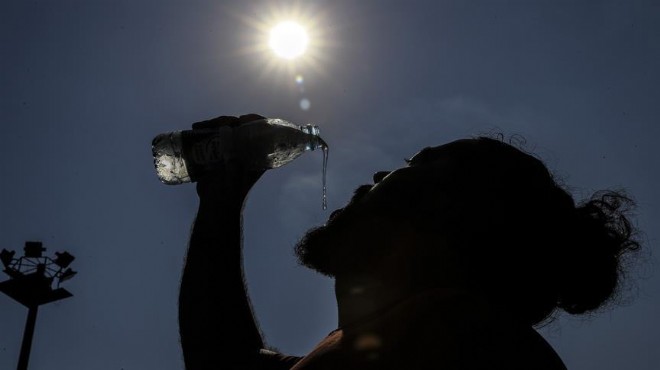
(33, 249)
(32, 275)
(7, 257)
(63, 259)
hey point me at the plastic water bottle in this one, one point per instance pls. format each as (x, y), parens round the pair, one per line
(185, 156)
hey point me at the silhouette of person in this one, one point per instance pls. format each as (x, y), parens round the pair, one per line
(446, 263)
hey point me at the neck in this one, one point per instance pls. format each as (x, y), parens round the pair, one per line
(360, 297)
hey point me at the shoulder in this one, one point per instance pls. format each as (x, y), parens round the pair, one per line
(435, 330)
(268, 360)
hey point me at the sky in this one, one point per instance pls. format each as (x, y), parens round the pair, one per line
(85, 85)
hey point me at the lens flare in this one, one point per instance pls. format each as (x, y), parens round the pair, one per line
(288, 40)
(305, 104)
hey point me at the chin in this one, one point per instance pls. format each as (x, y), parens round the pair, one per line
(314, 250)
(340, 248)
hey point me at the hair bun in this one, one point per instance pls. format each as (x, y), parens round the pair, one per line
(602, 236)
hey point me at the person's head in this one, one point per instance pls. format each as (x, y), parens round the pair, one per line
(479, 215)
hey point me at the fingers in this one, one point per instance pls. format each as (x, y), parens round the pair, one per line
(230, 121)
(229, 179)
(250, 117)
(216, 122)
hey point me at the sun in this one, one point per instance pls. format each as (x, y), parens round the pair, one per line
(285, 41)
(288, 40)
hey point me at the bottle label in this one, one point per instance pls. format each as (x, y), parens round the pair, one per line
(211, 147)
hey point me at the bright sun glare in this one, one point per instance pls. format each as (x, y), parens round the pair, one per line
(288, 40)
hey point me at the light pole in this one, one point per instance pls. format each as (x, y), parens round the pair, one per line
(31, 284)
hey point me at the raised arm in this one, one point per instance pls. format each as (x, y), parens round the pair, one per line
(216, 323)
(215, 319)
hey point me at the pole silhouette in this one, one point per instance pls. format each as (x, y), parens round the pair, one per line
(31, 284)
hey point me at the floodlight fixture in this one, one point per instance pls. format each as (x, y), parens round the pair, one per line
(33, 249)
(66, 275)
(7, 257)
(63, 259)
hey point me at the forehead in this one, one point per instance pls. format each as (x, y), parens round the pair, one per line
(454, 149)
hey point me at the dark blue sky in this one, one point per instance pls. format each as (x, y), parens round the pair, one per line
(85, 85)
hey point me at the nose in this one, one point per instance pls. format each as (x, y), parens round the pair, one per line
(380, 175)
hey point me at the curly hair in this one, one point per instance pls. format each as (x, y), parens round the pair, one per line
(606, 236)
(524, 242)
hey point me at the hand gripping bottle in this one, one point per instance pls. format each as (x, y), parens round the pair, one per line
(185, 156)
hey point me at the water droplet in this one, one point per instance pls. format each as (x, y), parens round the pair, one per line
(325, 149)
